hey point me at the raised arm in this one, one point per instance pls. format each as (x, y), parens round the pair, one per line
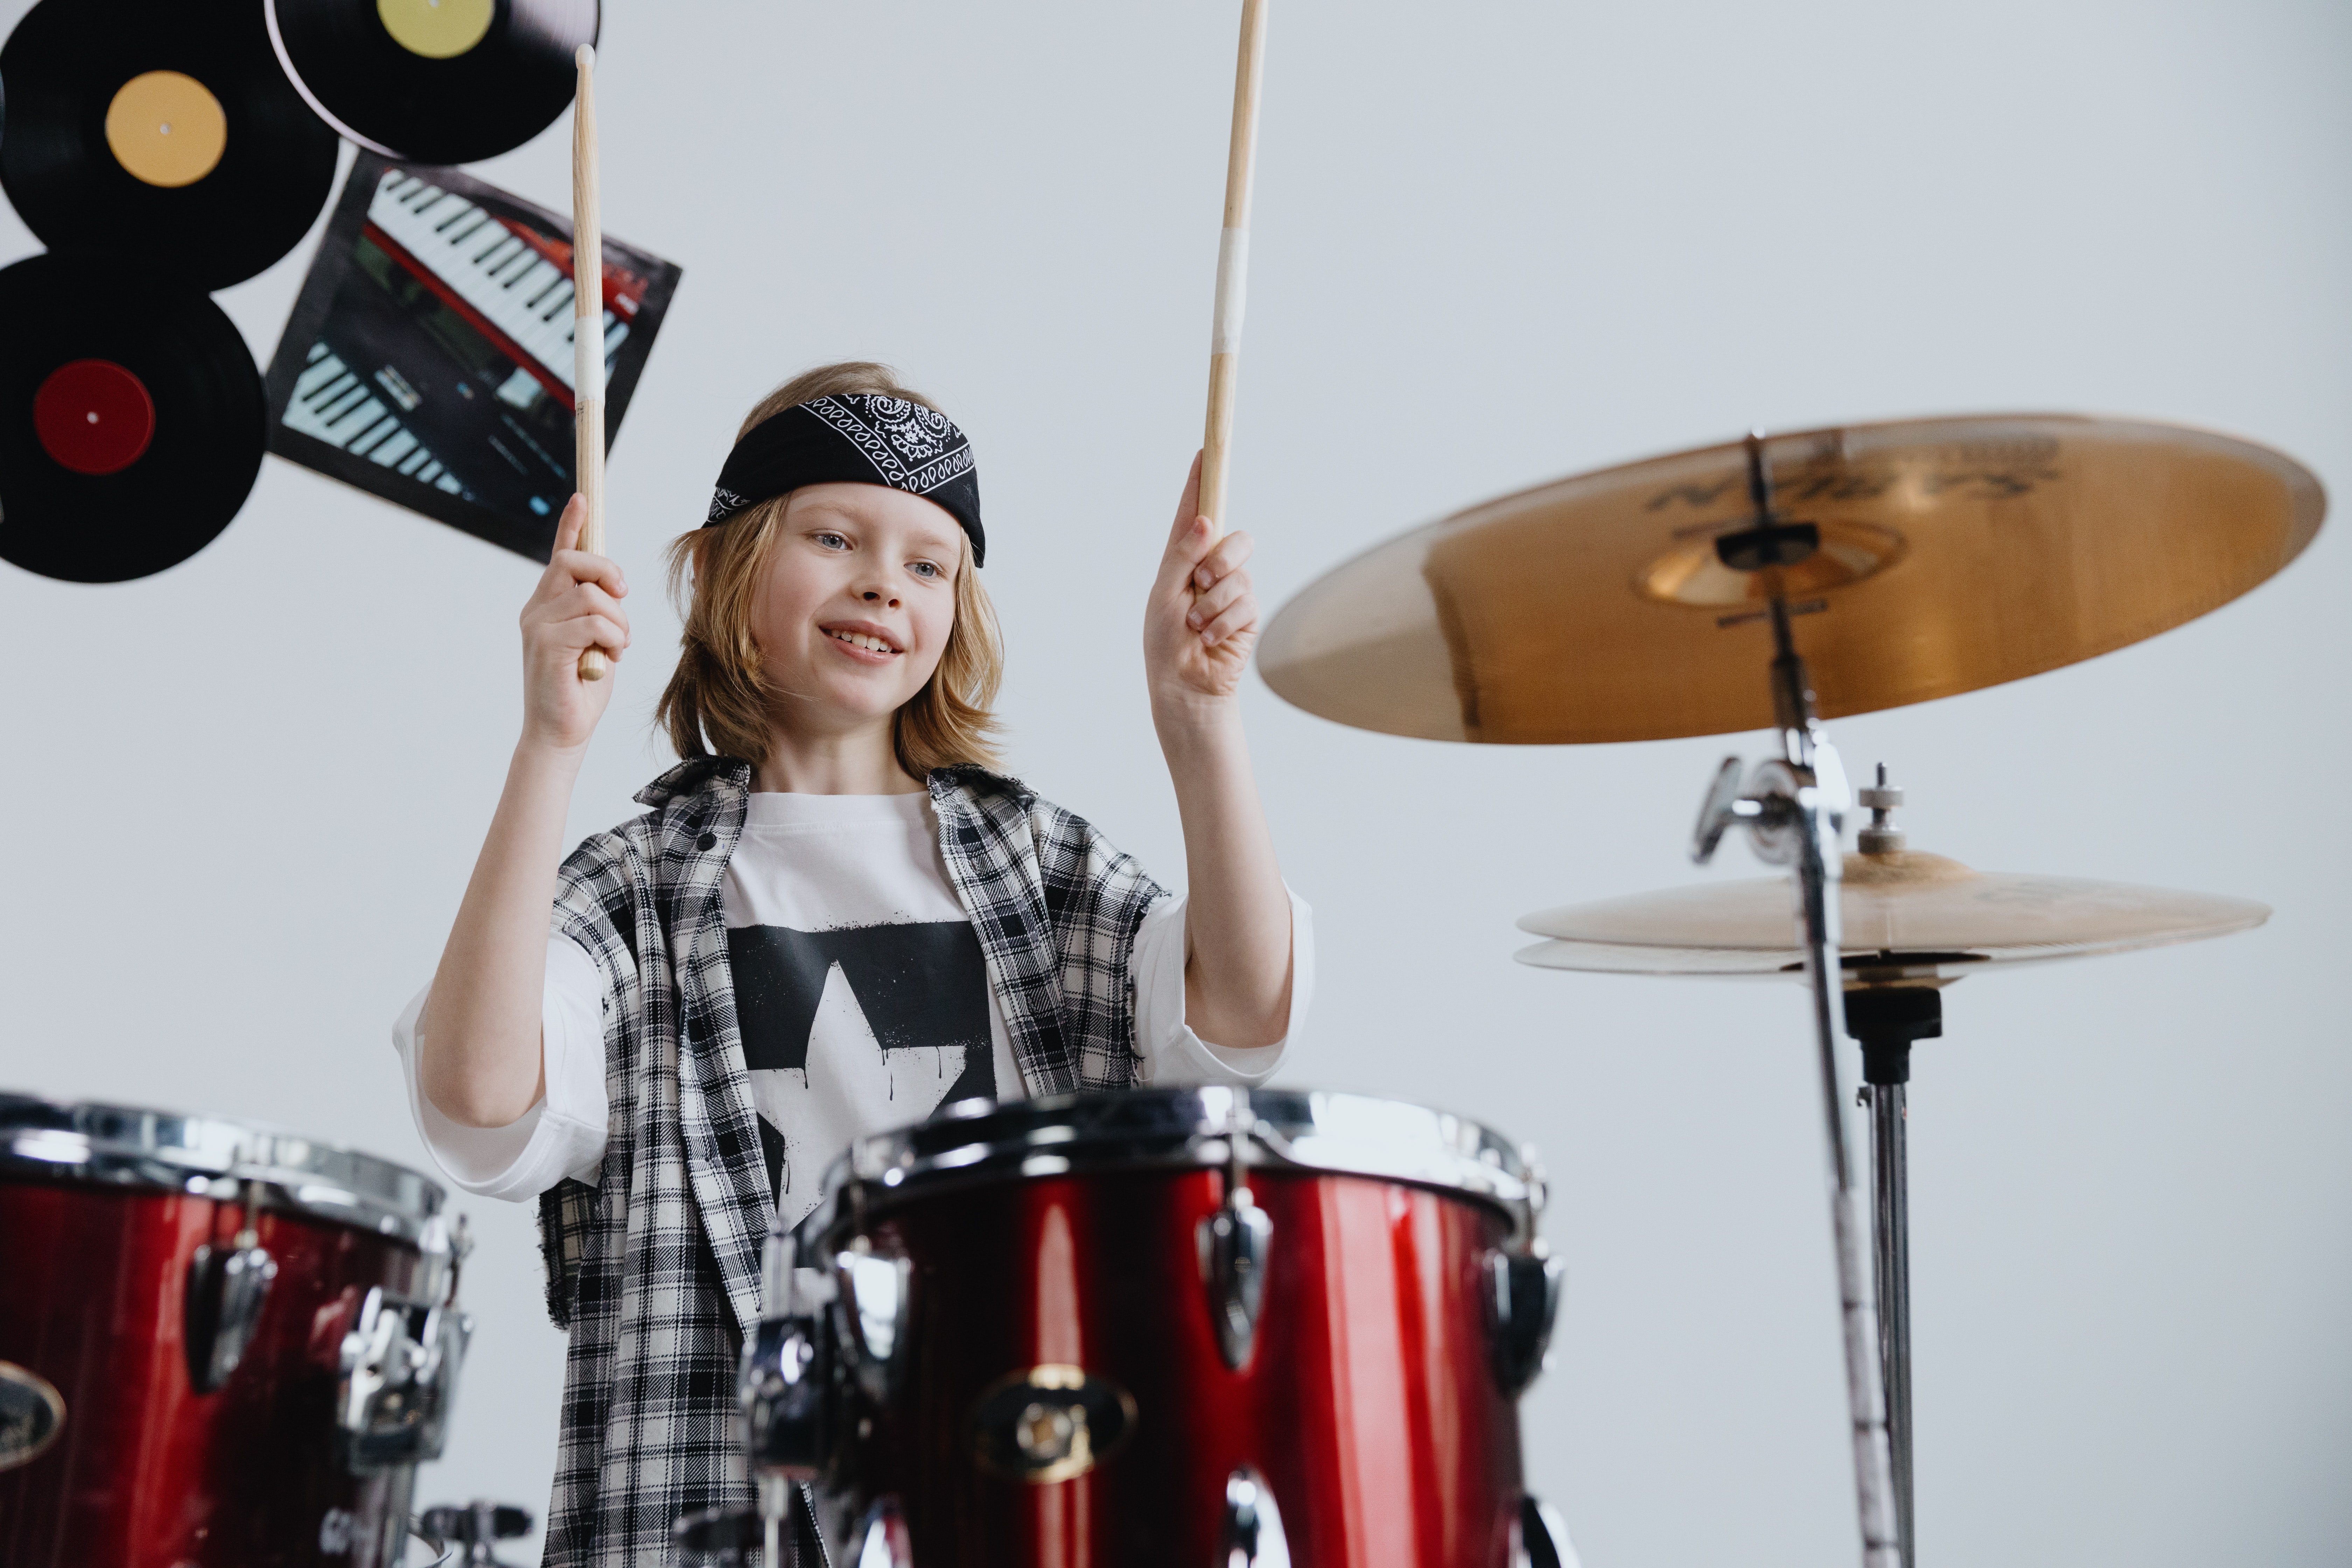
(1197, 632)
(481, 1062)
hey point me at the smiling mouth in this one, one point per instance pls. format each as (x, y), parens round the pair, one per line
(864, 640)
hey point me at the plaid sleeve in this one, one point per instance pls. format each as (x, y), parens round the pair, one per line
(1095, 896)
(596, 905)
(599, 895)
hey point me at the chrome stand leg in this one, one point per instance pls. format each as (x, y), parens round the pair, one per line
(1888, 1020)
(1865, 1392)
(1887, 1116)
(1790, 807)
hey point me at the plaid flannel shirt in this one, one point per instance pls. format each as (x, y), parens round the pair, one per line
(656, 1270)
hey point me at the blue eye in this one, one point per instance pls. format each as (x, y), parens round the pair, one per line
(832, 541)
(926, 568)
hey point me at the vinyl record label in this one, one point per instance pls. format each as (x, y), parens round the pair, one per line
(166, 128)
(437, 29)
(433, 81)
(131, 420)
(160, 132)
(93, 416)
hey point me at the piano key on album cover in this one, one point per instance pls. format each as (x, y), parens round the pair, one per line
(430, 356)
(332, 405)
(519, 283)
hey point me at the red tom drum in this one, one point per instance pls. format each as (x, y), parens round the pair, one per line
(221, 1345)
(1179, 1326)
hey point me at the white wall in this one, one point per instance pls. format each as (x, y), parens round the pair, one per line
(1496, 242)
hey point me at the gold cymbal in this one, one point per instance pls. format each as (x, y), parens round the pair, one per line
(1908, 917)
(1953, 554)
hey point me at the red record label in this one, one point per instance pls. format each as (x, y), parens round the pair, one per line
(93, 416)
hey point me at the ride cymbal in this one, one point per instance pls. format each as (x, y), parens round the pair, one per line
(161, 133)
(1947, 554)
(433, 81)
(131, 420)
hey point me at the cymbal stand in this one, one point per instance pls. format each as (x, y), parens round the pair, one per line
(1886, 1020)
(1792, 806)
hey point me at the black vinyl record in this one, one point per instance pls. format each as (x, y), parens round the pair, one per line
(161, 131)
(433, 81)
(131, 420)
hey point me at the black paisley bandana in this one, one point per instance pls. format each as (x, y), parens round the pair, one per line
(860, 439)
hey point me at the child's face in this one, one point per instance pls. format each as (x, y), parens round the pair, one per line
(857, 603)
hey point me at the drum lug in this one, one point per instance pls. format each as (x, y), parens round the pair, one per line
(1233, 1244)
(784, 1384)
(442, 1250)
(1539, 1537)
(1523, 1292)
(875, 1298)
(399, 1372)
(1250, 1535)
(228, 1288)
(784, 1393)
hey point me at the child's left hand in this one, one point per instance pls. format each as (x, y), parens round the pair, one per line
(1201, 621)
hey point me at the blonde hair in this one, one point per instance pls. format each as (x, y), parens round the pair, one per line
(718, 701)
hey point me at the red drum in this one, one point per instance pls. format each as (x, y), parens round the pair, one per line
(221, 1346)
(1167, 1326)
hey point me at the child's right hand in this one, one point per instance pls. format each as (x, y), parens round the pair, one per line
(576, 607)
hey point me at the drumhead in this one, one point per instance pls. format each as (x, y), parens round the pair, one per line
(981, 1140)
(162, 1151)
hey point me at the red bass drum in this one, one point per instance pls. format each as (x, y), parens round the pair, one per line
(1167, 1326)
(221, 1345)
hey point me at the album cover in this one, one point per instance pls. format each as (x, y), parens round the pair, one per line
(429, 357)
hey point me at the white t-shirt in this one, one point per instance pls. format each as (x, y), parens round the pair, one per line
(861, 998)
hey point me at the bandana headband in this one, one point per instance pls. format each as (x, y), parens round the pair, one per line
(856, 438)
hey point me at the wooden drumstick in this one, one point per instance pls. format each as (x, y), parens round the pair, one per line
(1232, 268)
(588, 327)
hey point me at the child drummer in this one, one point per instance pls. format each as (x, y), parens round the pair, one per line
(837, 914)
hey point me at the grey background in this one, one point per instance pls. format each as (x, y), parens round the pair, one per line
(1494, 243)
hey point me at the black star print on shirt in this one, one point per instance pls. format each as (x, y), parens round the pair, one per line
(921, 989)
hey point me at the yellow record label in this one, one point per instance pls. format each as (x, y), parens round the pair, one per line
(166, 128)
(437, 29)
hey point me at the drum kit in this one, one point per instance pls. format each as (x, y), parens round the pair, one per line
(1257, 1328)
(1253, 1327)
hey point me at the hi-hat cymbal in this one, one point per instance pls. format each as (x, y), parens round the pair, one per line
(1953, 554)
(1908, 917)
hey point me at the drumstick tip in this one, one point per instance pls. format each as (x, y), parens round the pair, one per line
(584, 57)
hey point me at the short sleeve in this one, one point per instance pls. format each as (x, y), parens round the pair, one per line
(563, 1133)
(1172, 1053)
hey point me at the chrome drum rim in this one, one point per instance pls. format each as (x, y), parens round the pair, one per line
(212, 1156)
(984, 1142)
